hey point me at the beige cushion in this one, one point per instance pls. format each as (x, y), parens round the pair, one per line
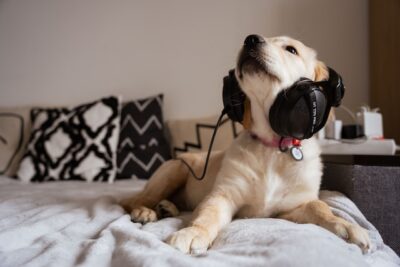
(194, 135)
(15, 126)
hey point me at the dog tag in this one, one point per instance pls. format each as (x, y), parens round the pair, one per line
(296, 153)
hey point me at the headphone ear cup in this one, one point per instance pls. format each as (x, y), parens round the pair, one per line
(335, 88)
(288, 115)
(276, 120)
(300, 119)
(322, 110)
(233, 98)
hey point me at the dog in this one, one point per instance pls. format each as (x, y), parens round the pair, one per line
(249, 179)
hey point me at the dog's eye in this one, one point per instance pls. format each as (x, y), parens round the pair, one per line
(291, 49)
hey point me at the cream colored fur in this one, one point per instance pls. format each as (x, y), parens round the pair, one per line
(249, 179)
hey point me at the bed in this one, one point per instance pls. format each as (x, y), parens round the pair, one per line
(81, 224)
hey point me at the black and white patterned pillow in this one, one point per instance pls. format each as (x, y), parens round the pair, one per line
(142, 144)
(73, 143)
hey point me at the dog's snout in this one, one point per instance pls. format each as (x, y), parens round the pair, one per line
(253, 40)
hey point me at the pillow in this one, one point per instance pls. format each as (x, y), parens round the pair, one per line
(194, 135)
(73, 143)
(142, 144)
(15, 126)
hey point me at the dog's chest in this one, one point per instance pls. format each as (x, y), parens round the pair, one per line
(275, 189)
(277, 182)
(268, 198)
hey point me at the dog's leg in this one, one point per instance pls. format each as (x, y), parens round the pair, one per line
(164, 182)
(319, 213)
(210, 216)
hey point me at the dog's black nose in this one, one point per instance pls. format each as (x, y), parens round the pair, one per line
(253, 40)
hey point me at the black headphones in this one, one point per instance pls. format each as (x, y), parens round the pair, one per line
(298, 111)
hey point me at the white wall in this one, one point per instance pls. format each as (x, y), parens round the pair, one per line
(69, 51)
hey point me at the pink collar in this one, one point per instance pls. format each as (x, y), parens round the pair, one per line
(283, 143)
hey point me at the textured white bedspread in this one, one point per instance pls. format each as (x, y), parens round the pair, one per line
(75, 223)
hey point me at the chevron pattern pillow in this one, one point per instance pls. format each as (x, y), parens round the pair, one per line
(142, 144)
(76, 143)
(194, 135)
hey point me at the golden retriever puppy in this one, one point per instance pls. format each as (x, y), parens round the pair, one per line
(249, 179)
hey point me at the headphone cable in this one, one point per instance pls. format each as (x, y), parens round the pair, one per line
(209, 150)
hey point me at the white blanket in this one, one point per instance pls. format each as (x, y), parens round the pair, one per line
(79, 224)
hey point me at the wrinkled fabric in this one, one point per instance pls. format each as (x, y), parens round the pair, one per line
(81, 224)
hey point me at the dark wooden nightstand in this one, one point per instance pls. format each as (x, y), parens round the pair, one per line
(373, 184)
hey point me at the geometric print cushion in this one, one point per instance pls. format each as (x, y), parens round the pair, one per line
(73, 143)
(194, 135)
(142, 144)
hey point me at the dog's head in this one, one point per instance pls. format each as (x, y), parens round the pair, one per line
(265, 66)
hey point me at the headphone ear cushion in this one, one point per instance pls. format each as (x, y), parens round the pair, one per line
(275, 119)
(233, 98)
(335, 88)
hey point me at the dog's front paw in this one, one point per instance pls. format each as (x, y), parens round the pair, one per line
(194, 240)
(166, 209)
(143, 215)
(352, 233)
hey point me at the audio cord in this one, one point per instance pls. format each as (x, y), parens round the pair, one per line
(209, 150)
(349, 112)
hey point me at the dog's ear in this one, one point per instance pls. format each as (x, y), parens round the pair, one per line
(320, 72)
(246, 122)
